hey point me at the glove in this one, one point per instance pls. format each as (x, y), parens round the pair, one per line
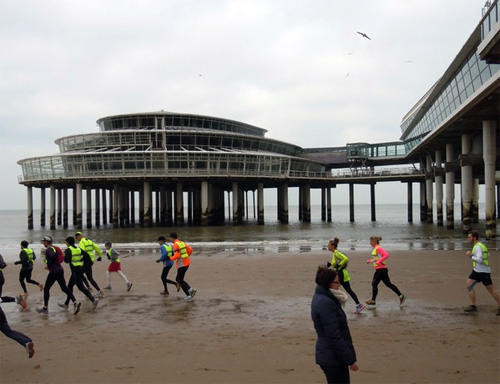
(17, 262)
(99, 258)
(328, 264)
(158, 260)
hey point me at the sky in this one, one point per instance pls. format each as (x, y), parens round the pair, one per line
(297, 68)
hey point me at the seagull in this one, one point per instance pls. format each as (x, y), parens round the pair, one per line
(364, 35)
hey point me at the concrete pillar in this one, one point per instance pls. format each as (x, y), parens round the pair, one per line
(283, 203)
(52, 207)
(115, 204)
(307, 204)
(132, 207)
(236, 205)
(466, 171)
(75, 214)
(351, 202)
(122, 207)
(163, 206)
(260, 203)
(372, 202)
(323, 204)
(429, 178)
(438, 177)
(204, 203)
(475, 200)
(89, 206)
(97, 208)
(409, 195)
(43, 209)
(141, 206)
(423, 203)
(65, 208)
(59, 206)
(179, 205)
(329, 204)
(450, 188)
(148, 220)
(30, 207)
(78, 199)
(104, 207)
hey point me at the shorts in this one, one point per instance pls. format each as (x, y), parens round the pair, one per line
(482, 277)
(114, 267)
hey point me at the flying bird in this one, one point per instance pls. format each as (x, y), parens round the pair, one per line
(364, 35)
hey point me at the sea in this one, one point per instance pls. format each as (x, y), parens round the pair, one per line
(272, 237)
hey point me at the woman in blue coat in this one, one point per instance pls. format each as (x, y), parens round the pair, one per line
(334, 350)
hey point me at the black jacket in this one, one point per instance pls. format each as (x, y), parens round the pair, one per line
(334, 345)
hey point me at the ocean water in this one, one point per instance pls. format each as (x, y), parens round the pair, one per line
(392, 224)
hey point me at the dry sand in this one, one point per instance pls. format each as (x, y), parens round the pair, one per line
(250, 323)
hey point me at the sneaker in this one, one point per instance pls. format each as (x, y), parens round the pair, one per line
(164, 293)
(471, 308)
(359, 308)
(370, 302)
(94, 304)
(77, 306)
(402, 299)
(193, 291)
(40, 286)
(99, 294)
(188, 298)
(108, 287)
(129, 285)
(178, 286)
(21, 300)
(29, 348)
(90, 289)
(63, 306)
(44, 311)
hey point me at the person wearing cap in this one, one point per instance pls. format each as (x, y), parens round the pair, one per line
(56, 273)
(182, 251)
(92, 249)
(114, 266)
(74, 256)
(167, 251)
(26, 258)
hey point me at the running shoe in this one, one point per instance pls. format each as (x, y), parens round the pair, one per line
(21, 300)
(77, 306)
(402, 299)
(44, 311)
(108, 287)
(359, 308)
(129, 285)
(164, 293)
(193, 291)
(370, 302)
(94, 304)
(99, 294)
(63, 306)
(30, 349)
(470, 308)
(188, 298)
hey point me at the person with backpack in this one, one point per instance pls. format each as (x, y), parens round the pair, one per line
(56, 273)
(26, 258)
(182, 251)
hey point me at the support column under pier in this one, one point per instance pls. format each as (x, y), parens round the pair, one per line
(30, 207)
(438, 177)
(97, 209)
(283, 203)
(59, 206)
(104, 207)
(409, 195)
(351, 202)
(43, 208)
(450, 187)
(466, 171)
(306, 216)
(52, 207)
(78, 199)
(429, 179)
(260, 203)
(115, 200)
(236, 204)
(323, 204)
(148, 220)
(423, 205)
(65, 208)
(372, 202)
(329, 204)
(489, 156)
(179, 205)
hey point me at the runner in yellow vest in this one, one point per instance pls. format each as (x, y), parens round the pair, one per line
(481, 272)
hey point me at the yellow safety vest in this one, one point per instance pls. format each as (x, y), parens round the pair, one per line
(485, 254)
(182, 249)
(30, 253)
(109, 255)
(375, 256)
(76, 256)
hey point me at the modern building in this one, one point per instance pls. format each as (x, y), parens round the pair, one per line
(156, 162)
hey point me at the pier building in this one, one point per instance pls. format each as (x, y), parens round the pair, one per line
(156, 163)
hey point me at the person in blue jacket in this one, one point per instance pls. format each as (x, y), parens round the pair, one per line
(166, 251)
(335, 352)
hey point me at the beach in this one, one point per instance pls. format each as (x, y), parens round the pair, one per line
(250, 323)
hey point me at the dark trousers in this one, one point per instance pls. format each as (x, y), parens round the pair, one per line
(382, 274)
(26, 275)
(76, 279)
(164, 280)
(336, 375)
(51, 279)
(21, 338)
(180, 279)
(347, 286)
(87, 271)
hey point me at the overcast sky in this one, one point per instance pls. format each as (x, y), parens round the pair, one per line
(297, 68)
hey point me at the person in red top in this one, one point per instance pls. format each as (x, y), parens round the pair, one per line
(380, 255)
(182, 251)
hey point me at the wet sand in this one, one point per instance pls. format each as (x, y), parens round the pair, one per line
(250, 323)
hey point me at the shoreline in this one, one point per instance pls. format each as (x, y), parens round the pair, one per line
(250, 323)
